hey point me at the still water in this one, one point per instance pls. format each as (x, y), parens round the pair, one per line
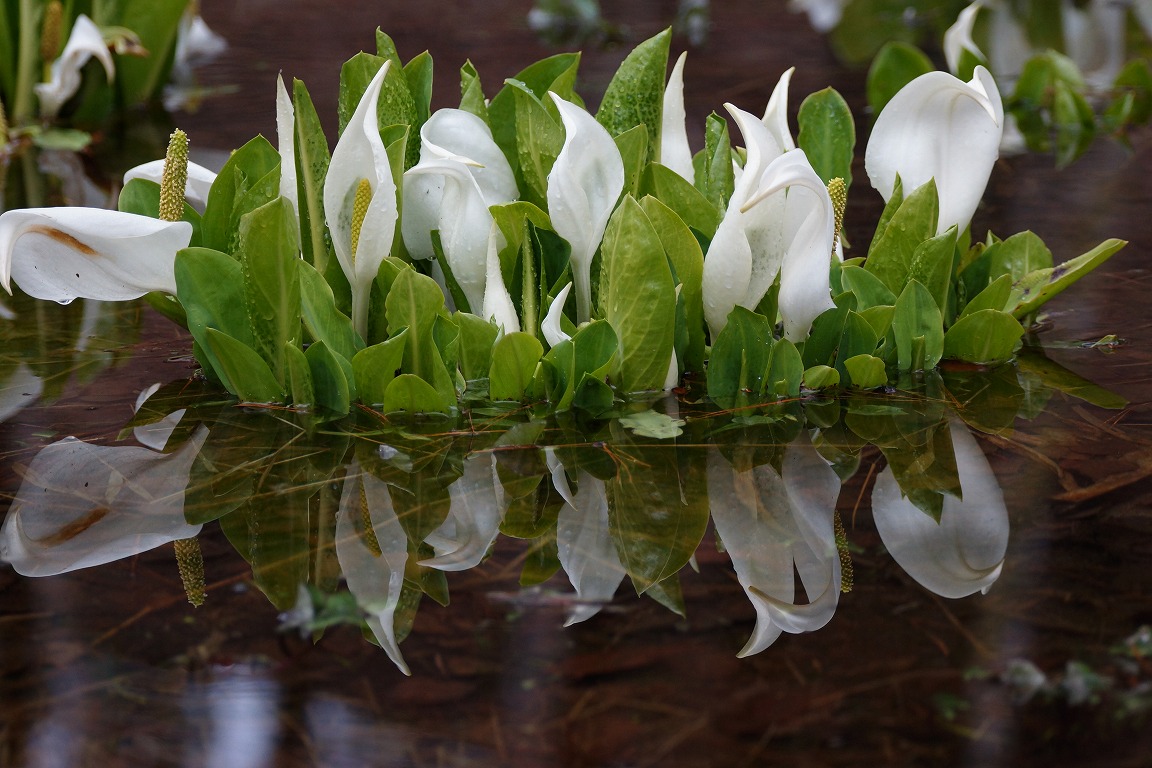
(1008, 633)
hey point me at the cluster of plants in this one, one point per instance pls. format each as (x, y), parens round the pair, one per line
(520, 248)
(72, 64)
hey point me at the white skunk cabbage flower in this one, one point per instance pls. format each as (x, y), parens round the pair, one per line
(939, 127)
(85, 41)
(675, 153)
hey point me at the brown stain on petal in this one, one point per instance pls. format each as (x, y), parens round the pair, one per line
(75, 528)
(64, 239)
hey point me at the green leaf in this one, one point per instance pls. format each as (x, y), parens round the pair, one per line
(139, 79)
(866, 25)
(896, 65)
(821, 377)
(1135, 79)
(321, 318)
(893, 254)
(1044, 284)
(986, 336)
(633, 147)
(654, 424)
(375, 367)
(638, 297)
(539, 139)
(740, 357)
(1017, 256)
(210, 286)
(411, 393)
(683, 250)
(714, 175)
(827, 135)
(514, 359)
(476, 339)
(242, 371)
(414, 301)
(330, 379)
(635, 96)
(249, 179)
(866, 371)
(932, 265)
(994, 296)
(785, 370)
(591, 351)
(269, 252)
(1033, 362)
(868, 289)
(301, 391)
(678, 194)
(312, 158)
(471, 92)
(919, 329)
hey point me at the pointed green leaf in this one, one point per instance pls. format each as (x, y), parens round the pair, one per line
(312, 158)
(1042, 285)
(635, 96)
(243, 372)
(375, 367)
(919, 329)
(827, 135)
(987, 336)
(514, 359)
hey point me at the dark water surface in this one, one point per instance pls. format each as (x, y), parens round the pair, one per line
(110, 665)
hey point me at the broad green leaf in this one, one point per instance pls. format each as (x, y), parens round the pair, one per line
(824, 338)
(858, 338)
(931, 266)
(821, 377)
(919, 330)
(211, 287)
(638, 297)
(880, 317)
(866, 25)
(375, 367)
(390, 269)
(635, 96)
(892, 256)
(242, 371)
(827, 135)
(301, 391)
(740, 357)
(866, 371)
(413, 302)
(249, 179)
(593, 396)
(330, 379)
(986, 336)
(591, 351)
(321, 318)
(896, 65)
(689, 204)
(418, 73)
(312, 158)
(890, 208)
(539, 139)
(1017, 256)
(683, 250)
(269, 253)
(659, 426)
(994, 296)
(869, 290)
(514, 359)
(411, 393)
(1042, 285)
(139, 79)
(476, 339)
(1135, 79)
(785, 370)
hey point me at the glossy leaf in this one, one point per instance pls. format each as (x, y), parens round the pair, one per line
(242, 371)
(827, 135)
(514, 359)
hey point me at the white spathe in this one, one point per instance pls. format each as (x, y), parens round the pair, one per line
(84, 42)
(360, 155)
(961, 554)
(779, 221)
(61, 254)
(939, 127)
(583, 186)
(675, 153)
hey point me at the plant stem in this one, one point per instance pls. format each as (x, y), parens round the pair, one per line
(27, 63)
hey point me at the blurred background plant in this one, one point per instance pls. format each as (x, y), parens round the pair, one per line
(575, 22)
(70, 66)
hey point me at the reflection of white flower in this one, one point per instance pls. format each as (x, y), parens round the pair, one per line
(823, 15)
(82, 505)
(772, 525)
(964, 552)
(85, 42)
(373, 550)
(586, 550)
(476, 509)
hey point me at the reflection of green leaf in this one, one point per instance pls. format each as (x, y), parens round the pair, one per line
(653, 424)
(1033, 362)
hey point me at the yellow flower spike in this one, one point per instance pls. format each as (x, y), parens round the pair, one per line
(838, 191)
(175, 177)
(846, 575)
(3, 127)
(50, 31)
(359, 211)
(190, 561)
(367, 532)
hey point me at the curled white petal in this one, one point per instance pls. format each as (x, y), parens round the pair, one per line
(61, 254)
(585, 546)
(776, 113)
(938, 127)
(958, 37)
(498, 306)
(286, 142)
(553, 333)
(964, 552)
(585, 182)
(476, 510)
(85, 41)
(361, 155)
(674, 150)
(196, 189)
